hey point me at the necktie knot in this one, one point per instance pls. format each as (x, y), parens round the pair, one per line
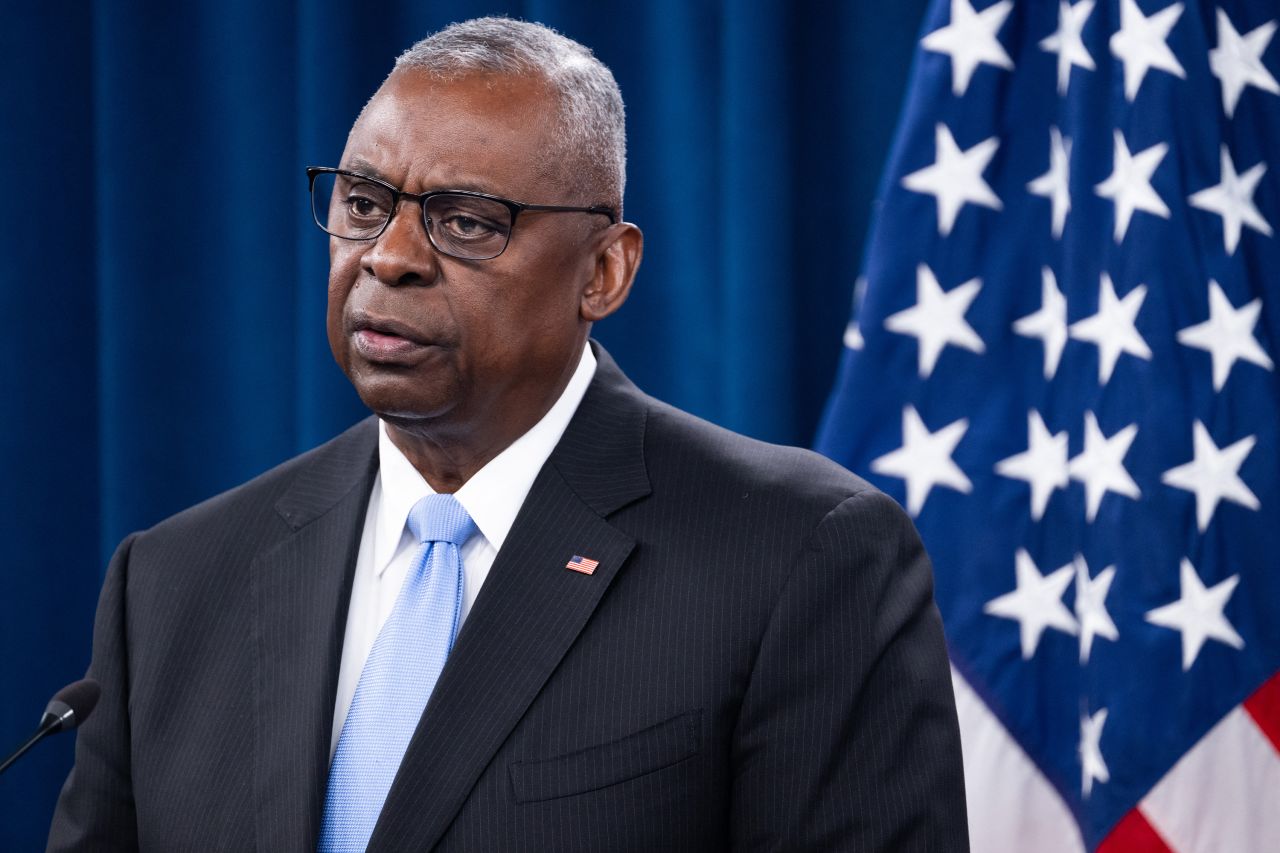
(440, 518)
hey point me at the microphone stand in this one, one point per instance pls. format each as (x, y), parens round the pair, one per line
(48, 726)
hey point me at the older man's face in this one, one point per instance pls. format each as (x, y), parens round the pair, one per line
(441, 345)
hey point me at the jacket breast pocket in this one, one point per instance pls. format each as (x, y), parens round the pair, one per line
(606, 764)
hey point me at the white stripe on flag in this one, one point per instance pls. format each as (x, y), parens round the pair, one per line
(1223, 794)
(1011, 805)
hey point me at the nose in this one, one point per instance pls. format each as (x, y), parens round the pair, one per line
(403, 255)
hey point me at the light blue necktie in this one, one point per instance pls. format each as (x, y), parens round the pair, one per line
(398, 677)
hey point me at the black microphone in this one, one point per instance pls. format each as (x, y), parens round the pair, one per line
(68, 708)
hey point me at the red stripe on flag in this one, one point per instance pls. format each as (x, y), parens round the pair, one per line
(1133, 834)
(1264, 707)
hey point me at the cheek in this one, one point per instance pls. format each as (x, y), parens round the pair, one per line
(539, 311)
(551, 296)
(341, 281)
(333, 329)
(344, 267)
(541, 325)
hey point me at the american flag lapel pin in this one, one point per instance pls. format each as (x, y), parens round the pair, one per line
(586, 565)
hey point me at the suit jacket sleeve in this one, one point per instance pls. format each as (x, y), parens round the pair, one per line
(847, 738)
(95, 810)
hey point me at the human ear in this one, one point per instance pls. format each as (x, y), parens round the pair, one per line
(617, 260)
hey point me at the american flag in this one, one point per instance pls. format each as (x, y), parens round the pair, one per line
(582, 564)
(1062, 361)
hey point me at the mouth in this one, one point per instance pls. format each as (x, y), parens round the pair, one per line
(387, 341)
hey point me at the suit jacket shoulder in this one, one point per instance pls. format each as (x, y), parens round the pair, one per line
(289, 495)
(690, 478)
(216, 643)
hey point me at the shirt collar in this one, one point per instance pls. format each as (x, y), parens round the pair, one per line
(494, 494)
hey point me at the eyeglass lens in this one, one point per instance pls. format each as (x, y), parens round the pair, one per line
(459, 225)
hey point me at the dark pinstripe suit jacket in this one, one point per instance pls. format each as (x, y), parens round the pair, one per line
(757, 663)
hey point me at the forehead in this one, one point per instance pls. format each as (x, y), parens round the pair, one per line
(493, 133)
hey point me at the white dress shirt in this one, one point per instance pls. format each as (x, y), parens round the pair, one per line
(492, 497)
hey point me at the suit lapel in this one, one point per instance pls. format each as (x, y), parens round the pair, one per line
(301, 593)
(528, 614)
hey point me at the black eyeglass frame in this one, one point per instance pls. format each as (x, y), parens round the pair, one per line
(516, 207)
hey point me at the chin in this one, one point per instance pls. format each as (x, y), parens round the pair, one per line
(406, 413)
(402, 398)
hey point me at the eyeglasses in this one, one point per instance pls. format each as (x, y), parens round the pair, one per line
(462, 224)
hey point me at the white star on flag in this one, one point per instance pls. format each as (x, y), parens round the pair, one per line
(1213, 475)
(924, 459)
(1049, 324)
(1112, 329)
(1129, 184)
(1100, 467)
(1232, 199)
(1054, 184)
(970, 39)
(1066, 41)
(853, 331)
(1198, 614)
(955, 178)
(1091, 606)
(937, 318)
(1043, 465)
(1227, 335)
(1091, 764)
(1036, 603)
(1140, 44)
(1237, 61)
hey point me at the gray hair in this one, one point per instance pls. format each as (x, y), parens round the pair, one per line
(592, 119)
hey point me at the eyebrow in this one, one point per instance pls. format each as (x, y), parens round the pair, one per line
(364, 167)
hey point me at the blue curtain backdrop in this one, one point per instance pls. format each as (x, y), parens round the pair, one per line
(162, 288)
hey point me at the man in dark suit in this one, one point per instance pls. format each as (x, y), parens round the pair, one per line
(663, 636)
